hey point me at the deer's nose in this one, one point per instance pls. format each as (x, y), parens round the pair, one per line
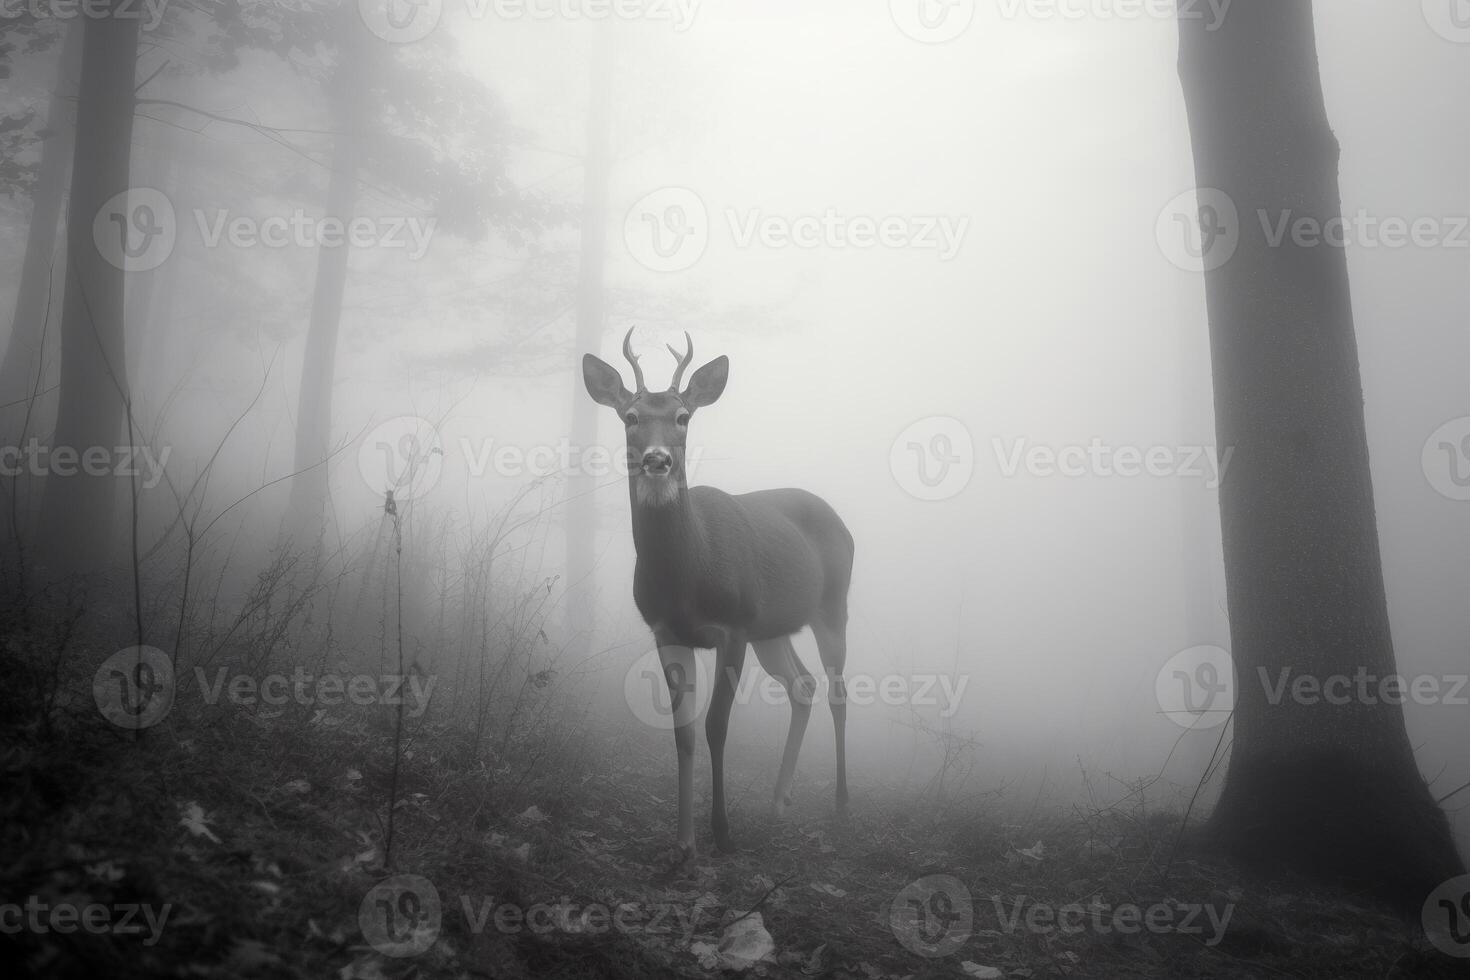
(657, 462)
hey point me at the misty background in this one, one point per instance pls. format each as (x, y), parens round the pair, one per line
(1054, 147)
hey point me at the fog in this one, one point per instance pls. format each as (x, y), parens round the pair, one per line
(953, 279)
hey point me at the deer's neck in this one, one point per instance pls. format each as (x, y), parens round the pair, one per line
(666, 532)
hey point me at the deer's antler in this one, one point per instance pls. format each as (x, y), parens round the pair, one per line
(683, 360)
(633, 359)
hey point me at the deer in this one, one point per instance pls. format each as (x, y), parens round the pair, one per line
(725, 571)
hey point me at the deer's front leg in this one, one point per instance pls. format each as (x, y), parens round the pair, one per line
(729, 662)
(678, 667)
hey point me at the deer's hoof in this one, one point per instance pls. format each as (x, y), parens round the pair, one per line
(779, 805)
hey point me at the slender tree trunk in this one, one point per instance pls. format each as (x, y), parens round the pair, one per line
(591, 318)
(21, 372)
(149, 302)
(309, 487)
(1331, 789)
(77, 514)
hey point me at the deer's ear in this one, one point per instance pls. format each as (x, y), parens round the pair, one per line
(708, 383)
(603, 382)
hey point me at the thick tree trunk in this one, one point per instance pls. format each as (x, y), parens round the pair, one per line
(21, 373)
(309, 488)
(1331, 789)
(77, 514)
(581, 527)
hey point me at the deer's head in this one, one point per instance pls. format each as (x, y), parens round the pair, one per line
(656, 422)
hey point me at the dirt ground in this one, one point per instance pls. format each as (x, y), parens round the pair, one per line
(254, 846)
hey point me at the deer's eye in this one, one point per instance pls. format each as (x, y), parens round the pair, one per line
(631, 418)
(682, 418)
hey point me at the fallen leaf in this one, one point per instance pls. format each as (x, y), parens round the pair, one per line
(194, 821)
(983, 972)
(746, 943)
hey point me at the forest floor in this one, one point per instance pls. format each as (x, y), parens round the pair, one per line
(253, 846)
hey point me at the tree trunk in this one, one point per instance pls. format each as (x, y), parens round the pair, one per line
(21, 372)
(77, 514)
(1326, 788)
(309, 487)
(581, 526)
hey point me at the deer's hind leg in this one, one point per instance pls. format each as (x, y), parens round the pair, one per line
(778, 658)
(830, 630)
